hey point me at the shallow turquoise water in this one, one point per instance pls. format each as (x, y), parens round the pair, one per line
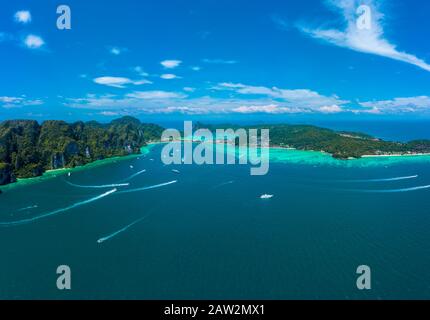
(324, 159)
(210, 236)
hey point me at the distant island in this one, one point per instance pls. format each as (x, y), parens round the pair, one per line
(341, 145)
(28, 149)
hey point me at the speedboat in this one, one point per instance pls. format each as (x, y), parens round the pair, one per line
(267, 196)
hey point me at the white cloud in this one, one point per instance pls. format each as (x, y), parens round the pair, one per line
(189, 89)
(246, 89)
(196, 68)
(219, 61)
(133, 103)
(367, 111)
(169, 76)
(119, 82)
(141, 82)
(183, 110)
(153, 102)
(149, 95)
(139, 70)
(298, 98)
(33, 42)
(17, 102)
(242, 99)
(171, 64)
(270, 108)
(371, 41)
(95, 102)
(23, 16)
(109, 113)
(10, 99)
(331, 109)
(116, 51)
(397, 105)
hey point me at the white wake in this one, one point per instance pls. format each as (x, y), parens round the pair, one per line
(101, 240)
(55, 212)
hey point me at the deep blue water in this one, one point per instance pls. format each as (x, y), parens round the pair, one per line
(388, 130)
(210, 236)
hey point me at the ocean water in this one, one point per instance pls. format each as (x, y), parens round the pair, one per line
(393, 129)
(390, 129)
(204, 233)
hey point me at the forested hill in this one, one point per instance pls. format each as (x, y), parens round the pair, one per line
(27, 148)
(342, 145)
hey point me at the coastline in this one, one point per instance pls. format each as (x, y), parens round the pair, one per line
(362, 157)
(53, 173)
(289, 155)
(283, 154)
(276, 147)
(395, 155)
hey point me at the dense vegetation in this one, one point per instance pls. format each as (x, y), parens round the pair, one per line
(342, 145)
(27, 149)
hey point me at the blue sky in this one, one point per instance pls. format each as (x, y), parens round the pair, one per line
(214, 58)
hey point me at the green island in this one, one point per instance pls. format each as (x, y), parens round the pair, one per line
(340, 145)
(29, 149)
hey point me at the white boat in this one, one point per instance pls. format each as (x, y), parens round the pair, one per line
(267, 196)
(69, 174)
(176, 171)
(131, 167)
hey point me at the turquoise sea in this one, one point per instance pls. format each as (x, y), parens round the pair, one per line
(210, 236)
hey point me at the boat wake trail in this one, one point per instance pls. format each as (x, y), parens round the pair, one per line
(386, 180)
(101, 240)
(133, 176)
(105, 186)
(28, 208)
(223, 184)
(396, 190)
(122, 183)
(148, 188)
(55, 212)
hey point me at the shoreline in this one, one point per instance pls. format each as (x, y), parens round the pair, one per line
(395, 155)
(53, 173)
(275, 147)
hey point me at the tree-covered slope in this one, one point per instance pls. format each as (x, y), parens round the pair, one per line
(27, 149)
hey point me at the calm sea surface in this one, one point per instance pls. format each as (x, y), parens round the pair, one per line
(210, 236)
